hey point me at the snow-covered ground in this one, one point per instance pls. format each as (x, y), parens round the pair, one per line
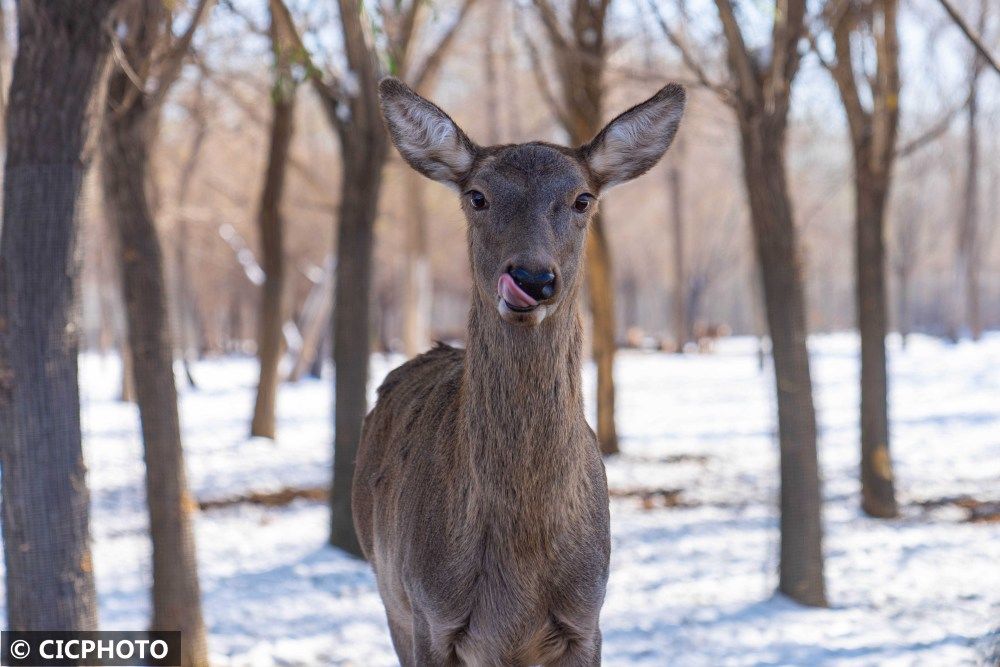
(690, 585)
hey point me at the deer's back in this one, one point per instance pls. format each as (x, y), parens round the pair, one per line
(405, 437)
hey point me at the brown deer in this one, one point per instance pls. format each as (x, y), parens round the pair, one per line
(480, 497)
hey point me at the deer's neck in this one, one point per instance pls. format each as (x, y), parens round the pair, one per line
(523, 407)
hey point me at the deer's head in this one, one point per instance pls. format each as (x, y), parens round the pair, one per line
(528, 205)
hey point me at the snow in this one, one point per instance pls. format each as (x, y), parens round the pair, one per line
(690, 585)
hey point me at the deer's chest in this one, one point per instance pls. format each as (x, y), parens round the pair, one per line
(510, 590)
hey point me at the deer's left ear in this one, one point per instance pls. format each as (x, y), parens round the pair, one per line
(633, 142)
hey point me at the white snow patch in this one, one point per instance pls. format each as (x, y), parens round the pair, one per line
(689, 585)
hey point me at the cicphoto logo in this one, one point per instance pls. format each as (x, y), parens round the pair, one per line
(112, 649)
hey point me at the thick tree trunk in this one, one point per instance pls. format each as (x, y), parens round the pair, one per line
(878, 496)
(364, 157)
(62, 50)
(801, 559)
(418, 286)
(269, 224)
(125, 170)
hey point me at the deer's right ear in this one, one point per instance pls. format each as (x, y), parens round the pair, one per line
(427, 138)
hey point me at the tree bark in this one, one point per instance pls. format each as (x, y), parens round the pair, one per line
(61, 56)
(270, 227)
(130, 128)
(801, 559)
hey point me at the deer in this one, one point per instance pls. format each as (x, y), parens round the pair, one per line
(480, 496)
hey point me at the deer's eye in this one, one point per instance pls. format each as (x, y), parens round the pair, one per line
(477, 200)
(583, 202)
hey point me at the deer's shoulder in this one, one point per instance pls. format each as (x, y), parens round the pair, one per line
(427, 369)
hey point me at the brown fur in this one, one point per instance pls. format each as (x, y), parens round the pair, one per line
(480, 496)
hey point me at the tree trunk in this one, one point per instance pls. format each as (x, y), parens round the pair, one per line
(581, 74)
(801, 559)
(878, 495)
(873, 141)
(363, 160)
(675, 184)
(269, 224)
(128, 135)
(61, 56)
(418, 286)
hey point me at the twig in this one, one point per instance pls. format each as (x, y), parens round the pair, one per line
(173, 61)
(436, 57)
(540, 79)
(689, 60)
(932, 132)
(972, 37)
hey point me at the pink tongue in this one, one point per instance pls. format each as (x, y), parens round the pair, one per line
(513, 294)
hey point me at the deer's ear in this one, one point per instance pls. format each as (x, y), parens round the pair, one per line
(633, 142)
(427, 138)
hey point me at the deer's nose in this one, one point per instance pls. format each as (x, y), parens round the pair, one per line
(538, 286)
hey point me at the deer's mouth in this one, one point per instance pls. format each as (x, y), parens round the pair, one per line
(517, 307)
(513, 296)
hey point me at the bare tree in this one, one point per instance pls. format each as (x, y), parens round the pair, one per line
(61, 54)
(149, 60)
(871, 103)
(581, 54)
(270, 227)
(352, 109)
(759, 92)
(761, 98)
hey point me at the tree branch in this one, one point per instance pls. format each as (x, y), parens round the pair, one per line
(541, 81)
(689, 60)
(934, 131)
(173, 61)
(970, 34)
(551, 23)
(789, 24)
(432, 63)
(329, 91)
(742, 64)
(842, 70)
